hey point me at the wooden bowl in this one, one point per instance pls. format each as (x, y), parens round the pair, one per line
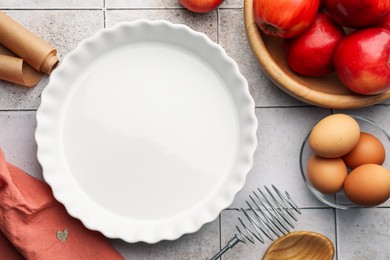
(325, 91)
(301, 245)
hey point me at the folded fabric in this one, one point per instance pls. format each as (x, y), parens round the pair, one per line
(7, 250)
(39, 226)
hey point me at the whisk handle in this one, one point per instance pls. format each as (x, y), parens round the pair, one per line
(234, 241)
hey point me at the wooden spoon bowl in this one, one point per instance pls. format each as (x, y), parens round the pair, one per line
(300, 245)
(325, 91)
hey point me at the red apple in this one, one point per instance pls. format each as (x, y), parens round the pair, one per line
(357, 13)
(362, 61)
(311, 53)
(386, 21)
(201, 6)
(284, 18)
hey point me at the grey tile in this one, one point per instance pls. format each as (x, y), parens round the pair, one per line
(163, 4)
(51, 4)
(363, 234)
(377, 113)
(276, 160)
(205, 23)
(316, 220)
(199, 245)
(142, 4)
(232, 37)
(232, 4)
(17, 141)
(63, 30)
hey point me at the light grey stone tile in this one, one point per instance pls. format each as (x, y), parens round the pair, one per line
(142, 4)
(363, 234)
(316, 220)
(17, 140)
(199, 245)
(232, 37)
(51, 4)
(232, 4)
(163, 4)
(63, 30)
(205, 23)
(378, 113)
(280, 134)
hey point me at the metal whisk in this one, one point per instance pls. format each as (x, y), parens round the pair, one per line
(271, 213)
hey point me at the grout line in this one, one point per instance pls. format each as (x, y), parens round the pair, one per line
(332, 111)
(167, 8)
(220, 230)
(144, 8)
(256, 107)
(218, 25)
(104, 14)
(104, 7)
(313, 207)
(104, 19)
(52, 9)
(19, 110)
(288, 106)
(336, 235)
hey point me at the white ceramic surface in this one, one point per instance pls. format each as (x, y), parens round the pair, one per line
(146, 131)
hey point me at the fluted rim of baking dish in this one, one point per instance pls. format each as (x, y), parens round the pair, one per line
(69, 193)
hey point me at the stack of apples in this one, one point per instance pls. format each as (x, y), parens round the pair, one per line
(348, 37)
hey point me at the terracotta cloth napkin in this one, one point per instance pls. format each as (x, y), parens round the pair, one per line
(39, 226)
(7, 250)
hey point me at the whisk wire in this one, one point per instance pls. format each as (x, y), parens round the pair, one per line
(274, 214)
(263, 218)
(249, 234)
(286, 204)
(287, 199)
(259, 225)
(270, 214)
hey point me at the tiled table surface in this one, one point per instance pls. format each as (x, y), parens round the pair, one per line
(283, 123)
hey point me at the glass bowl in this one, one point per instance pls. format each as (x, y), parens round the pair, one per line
(339, 200)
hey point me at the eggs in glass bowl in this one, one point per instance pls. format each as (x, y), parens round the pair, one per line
(344, 164)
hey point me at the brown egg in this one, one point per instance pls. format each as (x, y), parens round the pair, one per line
(369, 149)
(334, 136)
(326, 174)
(368, 185)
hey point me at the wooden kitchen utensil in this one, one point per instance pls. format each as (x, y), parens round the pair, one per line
(301, 245)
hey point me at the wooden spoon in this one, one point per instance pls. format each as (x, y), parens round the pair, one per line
(300, 245)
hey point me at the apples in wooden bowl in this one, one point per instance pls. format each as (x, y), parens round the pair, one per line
(324, 91)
